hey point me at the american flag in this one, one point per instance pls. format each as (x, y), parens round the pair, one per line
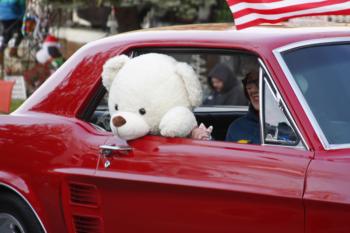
(248, 13)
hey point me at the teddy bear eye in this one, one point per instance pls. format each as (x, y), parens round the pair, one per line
(142, 111)
(116, 107)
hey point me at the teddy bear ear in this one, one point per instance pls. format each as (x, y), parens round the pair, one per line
(192, 84)
(111, 69)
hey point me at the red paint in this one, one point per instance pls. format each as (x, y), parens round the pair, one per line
(170, 185)
(327, 194)
(6, 94)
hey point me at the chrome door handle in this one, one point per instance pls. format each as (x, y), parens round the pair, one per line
(108, 150)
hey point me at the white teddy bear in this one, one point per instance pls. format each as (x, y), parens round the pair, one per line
(151, 94)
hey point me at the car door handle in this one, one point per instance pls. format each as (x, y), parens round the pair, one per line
(108, 150)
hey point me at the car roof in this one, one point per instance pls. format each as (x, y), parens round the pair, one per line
(255, 39)
(265, 36)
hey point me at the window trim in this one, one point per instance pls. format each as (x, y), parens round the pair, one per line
(286, 111)
(309, 43)
(220, 109)
(223, 51)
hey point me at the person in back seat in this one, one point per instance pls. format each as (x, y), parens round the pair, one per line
(225, 86)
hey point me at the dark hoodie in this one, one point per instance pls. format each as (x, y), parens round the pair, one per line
(232, 93)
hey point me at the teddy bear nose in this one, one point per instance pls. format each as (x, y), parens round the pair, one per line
(118, 121)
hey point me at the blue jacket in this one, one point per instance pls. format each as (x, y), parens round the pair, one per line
(12, 9)
(245, 129)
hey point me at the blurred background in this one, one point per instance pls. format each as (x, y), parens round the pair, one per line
(50, 31)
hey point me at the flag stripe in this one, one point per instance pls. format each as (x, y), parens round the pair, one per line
(287, 9)
(231, 2)
(260, 21)
(324, 9)
(268, 6)
(252, 12)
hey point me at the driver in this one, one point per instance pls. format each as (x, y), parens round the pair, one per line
(247, 128)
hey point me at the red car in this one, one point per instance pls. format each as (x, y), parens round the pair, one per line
(62, 170)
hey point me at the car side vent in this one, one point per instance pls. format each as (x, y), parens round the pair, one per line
(85, 224)
(83, 194)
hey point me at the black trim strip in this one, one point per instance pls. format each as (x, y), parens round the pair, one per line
(92, 105)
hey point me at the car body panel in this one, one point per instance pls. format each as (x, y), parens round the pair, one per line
(33, 149)
(327, 193)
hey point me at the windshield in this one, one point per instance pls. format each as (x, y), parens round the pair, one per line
(323, 75)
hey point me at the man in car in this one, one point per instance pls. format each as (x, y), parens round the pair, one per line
(245, 129)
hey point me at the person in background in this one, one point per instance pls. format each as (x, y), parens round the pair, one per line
(225, 86)
(11, 15)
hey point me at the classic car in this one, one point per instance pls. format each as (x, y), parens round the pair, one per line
(62, 170)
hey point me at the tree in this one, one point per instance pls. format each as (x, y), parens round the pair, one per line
(131, 13)
(185, 9)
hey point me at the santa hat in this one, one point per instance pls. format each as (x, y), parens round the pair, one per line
(51, 40)
(49, 49)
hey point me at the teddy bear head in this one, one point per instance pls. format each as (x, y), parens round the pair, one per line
(151, 94)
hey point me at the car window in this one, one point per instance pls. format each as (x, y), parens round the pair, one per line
(100, 116)
(218, 112)
(278, 129)
(321, 72)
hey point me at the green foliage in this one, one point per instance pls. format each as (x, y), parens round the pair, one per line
(185, 9)
(223, 13)
(15, 104)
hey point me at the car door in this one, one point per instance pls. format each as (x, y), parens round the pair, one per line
(172, 185)
(157, 184)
